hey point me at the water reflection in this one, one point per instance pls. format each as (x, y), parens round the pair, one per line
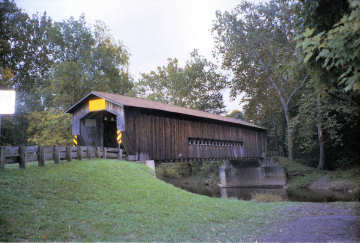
(299, 195)
(248, 192)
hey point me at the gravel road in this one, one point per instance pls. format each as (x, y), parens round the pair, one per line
(316, 222)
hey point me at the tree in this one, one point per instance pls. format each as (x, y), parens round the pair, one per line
(25, 52)
(196, 86)
(86, 60)
(257, 42)
(48, 128)
(331, 53)
(332, 44)
(326, 124)
(236, 114)
(13, 130)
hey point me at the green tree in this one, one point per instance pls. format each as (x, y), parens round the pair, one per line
(326, 123)
(332, 43)
(86, 60)
(25, 52)
(13, 130)
(48, 128)
(236, 114)
(195, 86)
(331, 52)
(257, 43)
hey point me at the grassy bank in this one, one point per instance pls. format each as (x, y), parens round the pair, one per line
(301, 176)
(109, 200)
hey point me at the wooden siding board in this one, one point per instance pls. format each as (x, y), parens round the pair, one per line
(166, 137)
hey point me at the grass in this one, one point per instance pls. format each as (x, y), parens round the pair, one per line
(100, 200)
(300, 175)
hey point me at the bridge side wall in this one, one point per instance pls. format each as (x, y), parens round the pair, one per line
(168, 136)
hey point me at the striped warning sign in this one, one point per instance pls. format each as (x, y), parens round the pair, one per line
(75, 140)
(118, 136)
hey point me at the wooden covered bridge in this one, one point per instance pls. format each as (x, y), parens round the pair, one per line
(151, 130)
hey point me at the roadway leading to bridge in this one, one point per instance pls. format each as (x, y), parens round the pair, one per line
(316, 222)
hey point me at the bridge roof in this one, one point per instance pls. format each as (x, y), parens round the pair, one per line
(154, 105)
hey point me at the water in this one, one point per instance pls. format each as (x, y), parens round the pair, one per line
(299, 195)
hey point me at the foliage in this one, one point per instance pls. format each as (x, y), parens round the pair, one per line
(48, 128)
(300, 175)
(337, 48)
(257, 43)
(109, 200)
(236, 114)
(195, 86)
(331, 50)
(25, 52)
(86, 60)
(13, 130)
(337, 119)
(53, 64)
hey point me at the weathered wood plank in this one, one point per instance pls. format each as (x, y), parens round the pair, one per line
(165, 137)
(97, 152)
(105, 153)
(56, 155)
(41, 156)
(29, 149)
(22, 162)
(2, 157)
(79, 153)
(68, 153)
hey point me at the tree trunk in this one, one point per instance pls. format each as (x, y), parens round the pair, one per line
(321, 164)
(289, 132)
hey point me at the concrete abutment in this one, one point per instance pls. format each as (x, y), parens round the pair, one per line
(237, 173)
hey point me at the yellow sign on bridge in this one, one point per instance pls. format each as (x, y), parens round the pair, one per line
(97, 104)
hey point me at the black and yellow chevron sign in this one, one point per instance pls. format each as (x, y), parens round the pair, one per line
(75, 140)
(118, 136)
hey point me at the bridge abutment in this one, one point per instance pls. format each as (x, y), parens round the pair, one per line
(237, 173)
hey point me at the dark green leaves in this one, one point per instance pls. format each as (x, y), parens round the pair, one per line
(196, 86)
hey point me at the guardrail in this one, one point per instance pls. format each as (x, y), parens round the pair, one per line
(25, 154)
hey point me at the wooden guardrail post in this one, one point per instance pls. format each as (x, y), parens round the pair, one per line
(41, 156)
(119, 153)
(22, 154)
(68, 153)
(88, 154)
(2, 158)
(79, 153)
(104, 153)
(97, 154)
(56, 155)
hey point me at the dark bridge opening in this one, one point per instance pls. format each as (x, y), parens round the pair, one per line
(109, 130)
(98, 129)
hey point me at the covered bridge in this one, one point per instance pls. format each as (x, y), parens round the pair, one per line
(152, 130)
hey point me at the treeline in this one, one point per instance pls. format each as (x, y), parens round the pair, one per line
(51, 65)
(296, 64)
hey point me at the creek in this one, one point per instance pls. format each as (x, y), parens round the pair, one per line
(298, 195)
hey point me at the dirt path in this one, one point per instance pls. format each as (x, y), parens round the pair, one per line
(316, 222)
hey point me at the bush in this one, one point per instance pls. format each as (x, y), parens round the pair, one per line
(48, 128)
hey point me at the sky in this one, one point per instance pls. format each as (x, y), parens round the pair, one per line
(151, 30)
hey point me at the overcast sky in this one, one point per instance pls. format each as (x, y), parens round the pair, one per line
(152, 30)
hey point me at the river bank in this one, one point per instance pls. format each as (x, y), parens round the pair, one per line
(305, 183)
